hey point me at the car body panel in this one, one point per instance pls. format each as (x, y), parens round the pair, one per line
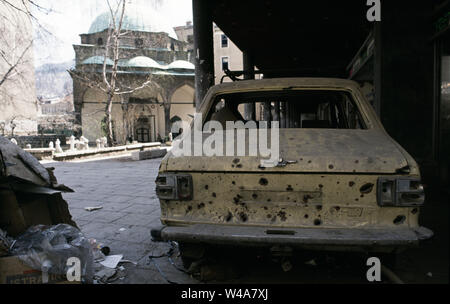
(329, 184)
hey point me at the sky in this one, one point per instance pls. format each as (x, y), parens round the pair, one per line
(67, 19)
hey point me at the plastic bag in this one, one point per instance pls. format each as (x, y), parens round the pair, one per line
(48, 248)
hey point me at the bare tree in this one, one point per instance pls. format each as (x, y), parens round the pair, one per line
(17, 90)
(13, 52)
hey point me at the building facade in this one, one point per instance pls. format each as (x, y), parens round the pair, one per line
(149, 52)
(18, 102)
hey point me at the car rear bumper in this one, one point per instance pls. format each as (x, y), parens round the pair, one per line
(261, 236)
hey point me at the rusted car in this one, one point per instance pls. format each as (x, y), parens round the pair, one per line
(341, 181)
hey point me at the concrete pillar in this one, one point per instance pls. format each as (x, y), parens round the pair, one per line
(203, 49)
(249, 69)
(404, 73)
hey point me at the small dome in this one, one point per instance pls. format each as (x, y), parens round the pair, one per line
(97, 60)
(181, 64)
(142, 62)
(136, 18)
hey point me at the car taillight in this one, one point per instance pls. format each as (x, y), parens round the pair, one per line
(174, 187)
(400, 192)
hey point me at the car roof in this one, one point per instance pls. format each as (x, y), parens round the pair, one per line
(280, 83)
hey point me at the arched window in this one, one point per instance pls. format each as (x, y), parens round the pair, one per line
(139, 42)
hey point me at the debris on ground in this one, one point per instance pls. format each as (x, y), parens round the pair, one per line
(30, 193)
(311, 262)
(5, 243)
(49, 252)
(106, 267)
(111, 261)
(90, 209)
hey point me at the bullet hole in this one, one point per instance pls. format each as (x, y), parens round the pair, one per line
(210, 202)
(239, 166)
(241, 188)
(319, 207)
(309, 161)
(338, 183)
(356, 161)
(366, 188)
(351, 184)
(289, 188)
(236, 161)
(306, 216)
(331, 167)
(263, 182)
(356, 199)
(306, 198)
(236, 200)
(189, 208)
(233, 182)
(269, 216)
(414, 211)
(265, 208)
(243, 216)
(269, 200)
(232, 166)
(337, 208)
(399, 220)
(214, 194)
(206, 187)
(282, 216)
(320, 186)
(201, 205)
(317, 222)
(255, 196)
(229, 217)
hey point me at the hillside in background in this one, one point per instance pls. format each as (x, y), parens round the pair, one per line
(53, 80)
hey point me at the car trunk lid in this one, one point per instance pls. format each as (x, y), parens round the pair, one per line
(307, 151)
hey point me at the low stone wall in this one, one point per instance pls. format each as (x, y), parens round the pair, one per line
(38, 141)
(149, 154)
(112, 151)
(42, 153)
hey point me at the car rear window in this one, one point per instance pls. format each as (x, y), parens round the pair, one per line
(293, 109)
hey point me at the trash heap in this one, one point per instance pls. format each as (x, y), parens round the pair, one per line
(39, 241)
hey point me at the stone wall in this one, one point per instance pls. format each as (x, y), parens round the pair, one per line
(38, 141)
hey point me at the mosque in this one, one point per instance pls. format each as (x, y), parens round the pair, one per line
(149, 49)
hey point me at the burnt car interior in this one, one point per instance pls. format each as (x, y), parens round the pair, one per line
(294, 109)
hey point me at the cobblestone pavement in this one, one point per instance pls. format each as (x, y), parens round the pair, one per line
(126, 191)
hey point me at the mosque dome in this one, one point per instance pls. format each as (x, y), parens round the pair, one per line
(136, 18)
(143, 62)
(181, 64)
